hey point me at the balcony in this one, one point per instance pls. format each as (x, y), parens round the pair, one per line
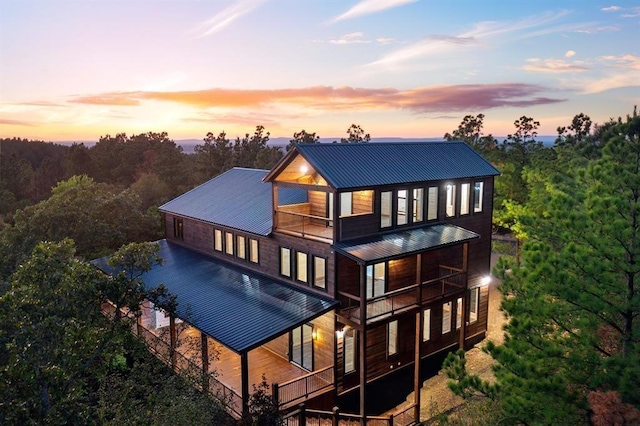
(305, 225)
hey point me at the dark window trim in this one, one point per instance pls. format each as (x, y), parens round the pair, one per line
(313, 272)
(280, 262)
(302, 347)
(355, 352)
(295, 276)
(257, 262)
(394, 355)
(178, 228)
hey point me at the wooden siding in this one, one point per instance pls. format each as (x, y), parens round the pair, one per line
(351, 227)
(318, 203)
(401, 273)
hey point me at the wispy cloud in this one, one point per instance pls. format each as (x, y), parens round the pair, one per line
(351, 38)
(595, 30)
(225, 18)
(418, 100)
(615, 72)
(367, 7)
(554, 66)
(7, 122)
(631, 12)
(611, 9)
(570, 54)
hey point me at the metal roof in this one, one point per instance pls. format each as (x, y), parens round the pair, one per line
(236, 199)
(403, 243)
(356, 165)
(240, 309)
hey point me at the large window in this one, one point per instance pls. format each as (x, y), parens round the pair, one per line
(474, 300)
(349, 351)
(401, 207)
(357, 202)
(217, 240)
(446, 317)
(459, 313)
(346, 204)
(465, 195)
(450, 209)
(376, 279)
(319, 272)
(418, 205)
(285, 262)
(426, 325)
(385, 209)
(432, 206)
(478, 193)
(178, 228)
(241, 249)
(228, 243)
(253, 251)
(392, 338)
(302, 266)
(301, 350)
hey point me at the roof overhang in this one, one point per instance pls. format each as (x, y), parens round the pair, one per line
(240, 309)
(404, 243)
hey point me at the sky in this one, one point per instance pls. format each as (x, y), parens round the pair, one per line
(78, 70)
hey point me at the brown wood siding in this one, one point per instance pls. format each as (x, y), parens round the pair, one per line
(358, 226)
(348, 273)
(438, 340)
(483, 312)
(318, 203)
(402, 273)
(378, 363)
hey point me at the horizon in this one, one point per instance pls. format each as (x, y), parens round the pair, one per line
(398, 68)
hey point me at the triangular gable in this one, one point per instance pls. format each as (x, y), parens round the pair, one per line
(295, 168)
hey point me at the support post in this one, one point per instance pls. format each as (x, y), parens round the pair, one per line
(173, 341)
(275, 394)
(363, 342)
(244, 372)
(335, 420)
(204, 343)
(417, 367)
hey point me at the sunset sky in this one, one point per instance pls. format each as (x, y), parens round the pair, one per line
(76, 70)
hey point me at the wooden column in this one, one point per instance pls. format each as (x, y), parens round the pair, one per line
(244, 372)
(204, 340)
(173, 340)
(417, 370)
(274, 203)
(465, 297)
(363, 340)
(419, 277)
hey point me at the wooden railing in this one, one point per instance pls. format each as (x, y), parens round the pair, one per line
(302, 387)
(306, 417)
(451, 280)
(306, 225)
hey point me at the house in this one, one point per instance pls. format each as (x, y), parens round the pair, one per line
(343, 266)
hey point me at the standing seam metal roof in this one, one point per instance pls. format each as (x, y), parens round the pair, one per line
(357, 165)
(240, 309)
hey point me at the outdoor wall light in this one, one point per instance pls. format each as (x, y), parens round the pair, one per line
(340, 333)
(314, 335)
(485, 280)
(304, 169)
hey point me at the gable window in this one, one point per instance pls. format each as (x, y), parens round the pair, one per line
(349, 351)
(253, 250)
(217, 240)
(465, 195)
(301, 266)
(446, 317)
(401, 207)
(426, 325)
(385, 209)
(474, 304)
(319, 272)
(228, 243)
(459, 313)
(478, 192)
(392, 338)
(357, 202)
(301, 346)
(178, 228)
(241, 249)
(376, 279)
(450, 209)
(285, 262)
(418, 203)
(432, 206)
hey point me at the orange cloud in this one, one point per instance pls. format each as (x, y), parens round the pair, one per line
(423, 99)
(8, 122)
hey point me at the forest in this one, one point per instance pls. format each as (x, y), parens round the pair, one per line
(571, 287)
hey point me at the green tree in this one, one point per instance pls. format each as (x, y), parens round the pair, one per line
(302, 137)
(215, 156)
(356, 134)
(470, 131)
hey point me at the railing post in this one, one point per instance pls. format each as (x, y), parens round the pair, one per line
(275, 394)
(391, 420)
(336, 417)
(302, 419)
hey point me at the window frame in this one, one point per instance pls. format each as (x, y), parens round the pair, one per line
(426, 325)
(352, 335)
(465, 198)
(417, 205)
(301, 362)
(478, 196)
(450, 202)
(283, 251)
(346, 199)
(386, 218)
(241, 249)
(448, 315)
(229, 243)
(315, 271)
(474, 304)
(302, 271)
(178, 228)
(371, 284)
(392, 338)
(254, 251)
(404, 211)
(459, 312)
(432, 203)
(218, 244)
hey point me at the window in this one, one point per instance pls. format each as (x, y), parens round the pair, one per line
(392, 338)
(358, 202)
(346, 204)
(478, 193)
(385, 209)
(459, 313)
(401, 207)
(241, 249)
(474, 304)
(301, 350)
(285, 262)
(301, 266)
(178, 228)
(217, 240)
(376, 279)
(432, 207)
(418, 202)
(228, 243)
(319, 272)
(426, 325)
(465, 195)
(451, 200)
(253, 250)
(349, 351)
(446, 317)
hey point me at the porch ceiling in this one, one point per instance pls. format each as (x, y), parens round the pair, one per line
(240, 309)
(404, 243)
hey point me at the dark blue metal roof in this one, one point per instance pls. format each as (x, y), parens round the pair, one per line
(357, 165)
(236, 199)
(403, 243)
(240, 309)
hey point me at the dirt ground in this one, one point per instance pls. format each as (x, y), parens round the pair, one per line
(435, 396)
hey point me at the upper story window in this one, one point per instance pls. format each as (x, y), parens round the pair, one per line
(217, 240)
(285, 262)
(302, 266)
(446, 317)
(385, 209)
(474, 304)
(465, 195)
(426, 325)
(350, 351)
(241, 249)
(418, 205)
(178, 228)
(253, 251)
(432, 206)
(450, 207)
(376, 279)
(401, 207)
(357, 202)
(228, 246)
(392, 338)
(319, 272)
(478, 194)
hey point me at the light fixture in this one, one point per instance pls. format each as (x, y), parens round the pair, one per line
(340, 333)
(304, 169)
(314, 334)
(485, 280)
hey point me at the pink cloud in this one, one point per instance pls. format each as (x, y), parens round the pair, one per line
(8, 122)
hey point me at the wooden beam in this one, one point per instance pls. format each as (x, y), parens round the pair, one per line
(244, 372)
(417, 367)
(363, 341)
(204, 340)
(419, 277)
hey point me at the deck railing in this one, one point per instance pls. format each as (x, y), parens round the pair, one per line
(305, 225)
(306, 417)
(302, 387)
(451, 280)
